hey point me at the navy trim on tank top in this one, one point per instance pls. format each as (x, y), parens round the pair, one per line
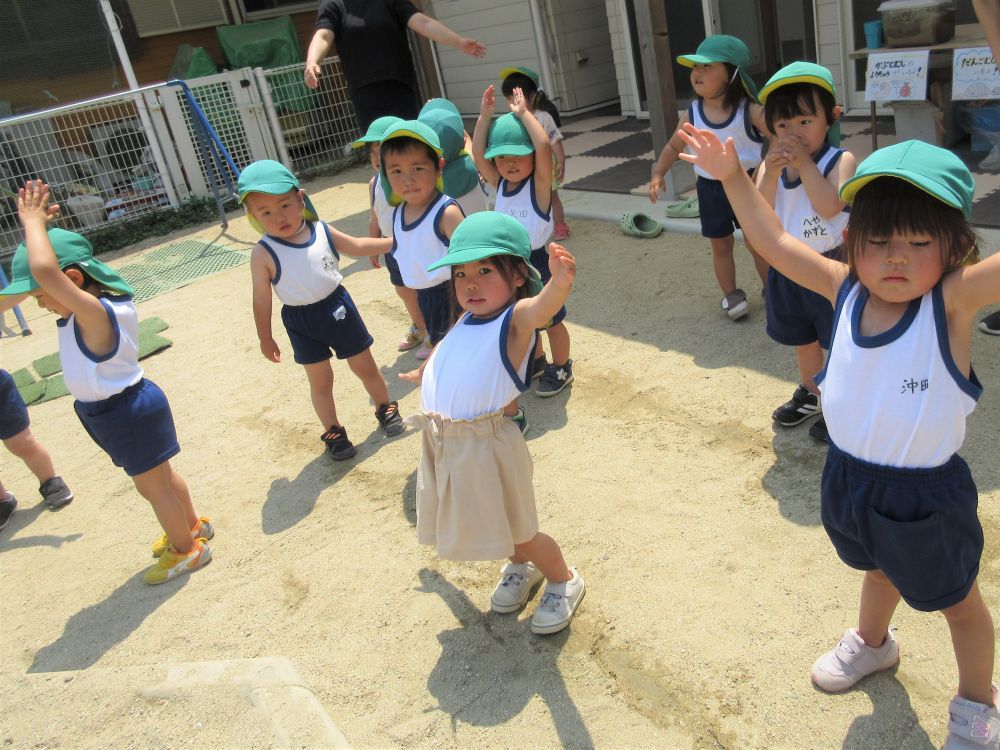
(790, 185)
(114, 326)
(277, 263)
(842, 293)
(413, 225)
(969, 385)
(329, 238)
(714, 125)
(522, 384)
(888, 336)
(530, 181)
(437, 221)
(307, 243)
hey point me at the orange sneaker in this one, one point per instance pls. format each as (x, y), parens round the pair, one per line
(173, 564)
(203, 530)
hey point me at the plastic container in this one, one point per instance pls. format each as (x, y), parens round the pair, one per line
(917, 23)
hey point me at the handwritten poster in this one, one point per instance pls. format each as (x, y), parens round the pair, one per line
(897, 76)
(974, 74)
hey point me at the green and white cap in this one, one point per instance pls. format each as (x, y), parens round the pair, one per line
(799, 72)
(508, 137)
(725, 49)
(528, 72)
(420, 132)
(376, 130)
(487, 233)
(271, 178)
(71, 249)
(934, 170)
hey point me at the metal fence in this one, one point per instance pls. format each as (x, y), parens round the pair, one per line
(122, 156)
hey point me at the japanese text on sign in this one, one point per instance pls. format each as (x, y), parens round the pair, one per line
(897, 76)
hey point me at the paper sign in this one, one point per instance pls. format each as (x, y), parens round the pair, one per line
(897, 76)
(974, 74)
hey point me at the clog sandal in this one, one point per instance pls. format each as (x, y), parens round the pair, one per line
(640, 225)
(685, 209)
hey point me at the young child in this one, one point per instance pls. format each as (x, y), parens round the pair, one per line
(127, 415)
(423, 219)
(800, 177)
(460, 177)
(548, 117)
(299, 258)
(16, 435)
(727, 103)
(474, 495)
(380, 225)
(510, 154)
(897, 500)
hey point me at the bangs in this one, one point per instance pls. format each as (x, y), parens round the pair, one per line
(889, 205)
(796, 100)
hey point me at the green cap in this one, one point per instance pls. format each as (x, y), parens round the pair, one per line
(459, 174)
(799, 72)
(485, 234)
(418, 131)
(725, 49)
(439, 103)
(508, 137)
(932, 169)
(522, 70)
(376, 130)
(271, 178)
(71, 249)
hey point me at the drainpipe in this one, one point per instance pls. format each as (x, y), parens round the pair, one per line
(542, 40)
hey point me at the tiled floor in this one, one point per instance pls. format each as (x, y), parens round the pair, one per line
(613, 154)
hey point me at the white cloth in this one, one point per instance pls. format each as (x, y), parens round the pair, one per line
(522, 204)
(738, 127)
(415, 246)
(800, 219)
(381, 207)
(307, 272)
(91, 378)
(897, 398)
(548, 125)
(474, 201)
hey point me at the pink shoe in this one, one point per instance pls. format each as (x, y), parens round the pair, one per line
(410, 340)
(852, 660)
(562, 232)
(425, 349)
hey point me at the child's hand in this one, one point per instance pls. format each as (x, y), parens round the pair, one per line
(518, 104)
(718, 159)
(489, 103)
(560, 170)
(373, 259)
(655, 188)
(413, 376)
(562, 266)
(269, 348)
(777, 158)
(33, 203)
(796, 150)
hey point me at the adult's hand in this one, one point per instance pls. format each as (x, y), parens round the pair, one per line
(472, 47)
(434, 30)
(319, 46)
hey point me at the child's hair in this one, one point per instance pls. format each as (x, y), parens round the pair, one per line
(796, 100)
(887, 205)
(508, 266)
(534, 95)
(403, 144)
(88, 280)
(735, 93)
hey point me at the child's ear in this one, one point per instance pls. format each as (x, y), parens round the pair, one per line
(441, 164)
(76, 276)
(837, 112)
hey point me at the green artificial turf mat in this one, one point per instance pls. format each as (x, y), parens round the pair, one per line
(177, 265)
(47, 365)
(152, 325)
(151, 343)
(22, 377)
(44, 390)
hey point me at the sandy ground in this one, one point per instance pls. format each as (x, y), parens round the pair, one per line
(711, 584)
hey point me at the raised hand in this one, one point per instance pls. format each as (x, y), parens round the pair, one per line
(718, 159)
(562, 266)
(33, 202)
(518, 104)
(489, 103)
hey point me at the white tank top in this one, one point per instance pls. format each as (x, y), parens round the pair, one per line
(474, 201)
(522, 204)
(469, 373)
(897, 398)
(381, 207)
(797, 214)
(91, 378)
(415, 246)
(308, 272)
(738, 127)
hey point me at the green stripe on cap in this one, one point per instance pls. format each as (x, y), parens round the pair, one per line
(799, 72)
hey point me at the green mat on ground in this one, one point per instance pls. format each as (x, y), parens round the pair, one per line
(178, 264)
(51, 384)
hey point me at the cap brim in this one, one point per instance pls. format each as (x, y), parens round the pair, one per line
(407, 133)
(774, 85)
(689, 61)
(22, 286)
(308, 213)
(481, 252)
(849, 190)
(364, 141)
(269, 188)
(508, 150)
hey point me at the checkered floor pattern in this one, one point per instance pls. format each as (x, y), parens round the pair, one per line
(613, 154)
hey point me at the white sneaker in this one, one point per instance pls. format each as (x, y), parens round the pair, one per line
(517, 580)
(558, 605)
(842, 668)
(972, 726)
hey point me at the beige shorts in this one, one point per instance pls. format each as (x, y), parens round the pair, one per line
(475, 500)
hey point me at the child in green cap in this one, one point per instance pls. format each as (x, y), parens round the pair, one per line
(474, 495)
(460, 177)
(897, 500)
(380, 225)
(800, 178)
(127, 415)
(726, 102)
(298, 259)
(513, 155)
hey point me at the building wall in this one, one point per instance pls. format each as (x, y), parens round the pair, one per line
(618, 27)
(583, 61)
(829, 43)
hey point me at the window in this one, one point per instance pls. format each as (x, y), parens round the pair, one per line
(257, 9)
(154, 17)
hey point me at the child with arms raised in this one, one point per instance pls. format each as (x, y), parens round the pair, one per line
(299, 258)
(513, 155)
(474, 495)
(897, 501)
(800, 178)
(127, 415)
(727, 103)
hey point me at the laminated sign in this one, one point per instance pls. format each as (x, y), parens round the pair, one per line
(974, 74)
(897, 76)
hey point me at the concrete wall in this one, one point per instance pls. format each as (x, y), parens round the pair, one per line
(829, 43)
(618, 27)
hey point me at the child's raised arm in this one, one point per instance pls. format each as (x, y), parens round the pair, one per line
(359, 247)
(480, 136)
(761, 226)
(823, 190)
(92, 319)
(543, 150)
(534, 312)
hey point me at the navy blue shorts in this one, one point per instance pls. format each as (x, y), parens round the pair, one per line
(13, 412)
(717, 217)
(332, 323)
(436, 307)
(918, 526)
(393, 268)
(540, 261)
(134, 427)
(795, 315)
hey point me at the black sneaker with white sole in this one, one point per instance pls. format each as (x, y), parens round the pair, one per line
(991, 324)
(817, 431)
(554, 379)
(802, 406)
